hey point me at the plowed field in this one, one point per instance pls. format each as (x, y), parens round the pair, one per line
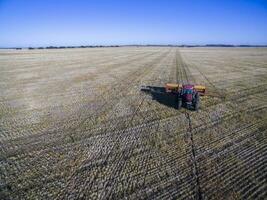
(74, 124)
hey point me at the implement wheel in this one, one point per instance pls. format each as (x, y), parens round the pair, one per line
(179, 103)
(196, 102)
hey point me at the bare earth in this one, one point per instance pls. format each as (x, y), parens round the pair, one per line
(74, 124)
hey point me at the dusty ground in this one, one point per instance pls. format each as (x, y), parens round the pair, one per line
(74, 124)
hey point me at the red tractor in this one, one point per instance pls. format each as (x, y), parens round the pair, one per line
(187, 95)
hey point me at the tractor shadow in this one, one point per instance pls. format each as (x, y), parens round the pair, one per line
(160, 95)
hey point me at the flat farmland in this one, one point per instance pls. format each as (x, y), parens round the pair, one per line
(75, 125)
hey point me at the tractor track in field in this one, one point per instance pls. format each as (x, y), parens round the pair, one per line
(182, 76)
(193, 153)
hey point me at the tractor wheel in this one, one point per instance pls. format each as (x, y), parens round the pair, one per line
(179, 103)
(196, 102)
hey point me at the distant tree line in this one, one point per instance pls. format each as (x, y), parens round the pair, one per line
(71, 47)
(136, 45)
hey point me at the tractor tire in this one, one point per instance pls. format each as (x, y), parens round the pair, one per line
(196, 102)
(179, 103)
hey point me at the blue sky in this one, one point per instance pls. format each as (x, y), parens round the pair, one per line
(26, 23)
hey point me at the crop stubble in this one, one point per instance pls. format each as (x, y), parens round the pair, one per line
(75, 124)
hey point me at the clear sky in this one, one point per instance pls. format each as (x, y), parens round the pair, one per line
(26, 23)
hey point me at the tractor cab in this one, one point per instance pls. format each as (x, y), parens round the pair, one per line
(188, 89)
(189, 97)
(187, 93)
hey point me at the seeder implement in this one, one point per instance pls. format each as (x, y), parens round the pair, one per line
(174, 87)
